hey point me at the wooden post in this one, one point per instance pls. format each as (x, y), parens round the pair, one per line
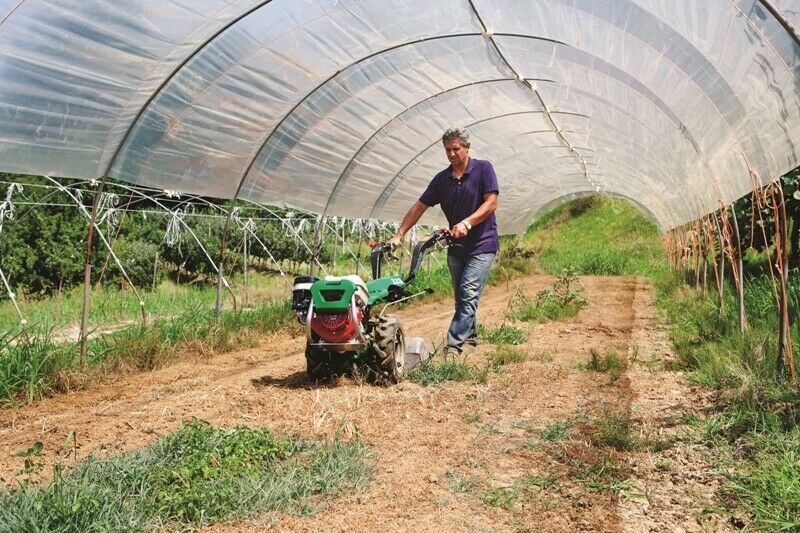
(785, 353)
(740, 281)
(87, 275)
(245, 268)
(155, 273)
(721, 287)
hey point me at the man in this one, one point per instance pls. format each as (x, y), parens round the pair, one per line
(467, 191)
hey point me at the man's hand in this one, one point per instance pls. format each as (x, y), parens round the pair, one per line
(394, 242)
(459, 231)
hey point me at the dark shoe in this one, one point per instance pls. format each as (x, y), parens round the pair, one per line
(452, 352)
(473, 342)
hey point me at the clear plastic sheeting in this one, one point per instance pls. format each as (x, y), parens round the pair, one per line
(338, 106)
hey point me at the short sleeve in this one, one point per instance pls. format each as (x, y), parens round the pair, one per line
(489, 181)
(431, 195)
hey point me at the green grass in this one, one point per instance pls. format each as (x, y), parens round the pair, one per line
(33, 367)
(111, 306)
(458, 484)
(194, 477)
(610, 363)
(502, 334)
(563, 299)
(557, 431)
(755, 412)
(505, 355)
(503, 497)
(434, 373)
(597, 236)
(615, 429)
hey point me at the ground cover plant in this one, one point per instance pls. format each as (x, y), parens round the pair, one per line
(610, 363)
(596, 236)
(435, 372)
(197, 476)
(754, 428)
(502, 334)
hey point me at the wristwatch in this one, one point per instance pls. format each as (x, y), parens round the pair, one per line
(467, 224)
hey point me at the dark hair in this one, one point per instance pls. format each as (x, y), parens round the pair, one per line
(456, 134)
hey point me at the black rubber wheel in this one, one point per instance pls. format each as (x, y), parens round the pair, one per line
(317, 364)
(389, 349)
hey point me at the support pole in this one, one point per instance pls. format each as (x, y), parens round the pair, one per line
(740, 281)
(245, 269)
(721, 288)
(221, 266)
(87, 274)
(155, 273)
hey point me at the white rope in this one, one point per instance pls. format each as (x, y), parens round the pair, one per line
(107, 207)
(7, 208)
(174, 234)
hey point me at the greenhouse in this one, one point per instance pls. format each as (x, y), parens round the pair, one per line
(151, 148)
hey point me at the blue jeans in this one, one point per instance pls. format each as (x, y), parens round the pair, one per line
(469, 275)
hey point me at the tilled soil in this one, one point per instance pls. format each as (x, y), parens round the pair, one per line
(441, 455)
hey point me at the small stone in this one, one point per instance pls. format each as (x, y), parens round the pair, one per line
(433, 479)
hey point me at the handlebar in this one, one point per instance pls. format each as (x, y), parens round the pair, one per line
(417, 254)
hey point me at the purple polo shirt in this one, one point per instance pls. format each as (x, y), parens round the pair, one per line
(461, 198)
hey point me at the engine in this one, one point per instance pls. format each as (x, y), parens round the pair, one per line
(337, 327)
(301, 297)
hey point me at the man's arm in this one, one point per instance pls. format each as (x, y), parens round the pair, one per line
(488, 207)
(408, 222)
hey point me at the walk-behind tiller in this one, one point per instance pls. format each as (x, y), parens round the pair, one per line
(342, 331)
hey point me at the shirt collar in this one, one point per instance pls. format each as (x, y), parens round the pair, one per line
(470, 167)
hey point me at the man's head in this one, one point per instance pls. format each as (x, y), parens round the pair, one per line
(456, 146)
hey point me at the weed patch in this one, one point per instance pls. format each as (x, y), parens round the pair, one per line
(611, 364)
(458, 484)
(563, 299)
(503, 497)
(557, 431)
(196, 476)
(433, 373)
(505, 355)
(502, 334)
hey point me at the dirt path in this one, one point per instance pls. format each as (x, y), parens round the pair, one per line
(444, 457)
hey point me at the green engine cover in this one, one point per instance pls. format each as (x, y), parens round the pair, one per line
(379, 289)
(332, 296)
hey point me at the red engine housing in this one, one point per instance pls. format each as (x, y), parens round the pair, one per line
(336, 327)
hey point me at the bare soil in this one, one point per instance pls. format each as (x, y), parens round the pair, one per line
(441, 455)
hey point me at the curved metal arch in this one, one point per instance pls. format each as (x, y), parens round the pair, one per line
(389, 189)
(782, 20)
(342, 176)
(341, 180)
(269, 137)
(112, 161)
(644, 184)
(12, 11)
(275, 129)
(558, 200)
(660, 105)
(630, 116)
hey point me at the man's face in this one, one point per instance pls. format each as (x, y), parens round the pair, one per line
(457, 153)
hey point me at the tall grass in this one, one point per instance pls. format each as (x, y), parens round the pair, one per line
(112, 305)
(756, 413)
(33, 367)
